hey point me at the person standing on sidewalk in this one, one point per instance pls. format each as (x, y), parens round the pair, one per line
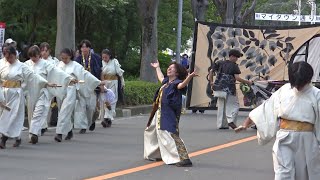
(111, 71)
(161, 137)
(92, 63)
(225, 89)
(295, 107)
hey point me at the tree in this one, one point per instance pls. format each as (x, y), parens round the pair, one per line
(148, 10)
(199, 8)
(65, 25)
(231, 11)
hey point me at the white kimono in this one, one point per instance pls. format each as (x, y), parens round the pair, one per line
(111, 68)
(296, 154)
(54, 61)
(85, 103)
(11, 122)
(39, 99)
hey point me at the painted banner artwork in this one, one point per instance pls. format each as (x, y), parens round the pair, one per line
(267, 51)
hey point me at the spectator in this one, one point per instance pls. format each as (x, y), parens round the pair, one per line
(185, 61)
(225, 89)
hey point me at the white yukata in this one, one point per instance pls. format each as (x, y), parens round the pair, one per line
(11, 122)
(83, 98)
(39, 99)
(296, 154)
(54, 61)
(111, 69)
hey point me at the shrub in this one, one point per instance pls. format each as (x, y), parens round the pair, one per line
(139, 92)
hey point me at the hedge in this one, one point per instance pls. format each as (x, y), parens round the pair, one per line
(139, 92)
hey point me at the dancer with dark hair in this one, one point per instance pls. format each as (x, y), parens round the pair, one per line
(92, 63)
(292, 115)
(83, 84)
(111, 72)
(39, 99)
(13, 74)
(161, 137)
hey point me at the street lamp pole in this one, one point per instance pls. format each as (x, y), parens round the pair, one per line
(179, 31)
(299, 12)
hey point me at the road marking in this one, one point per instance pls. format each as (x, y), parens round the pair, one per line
(157, 164)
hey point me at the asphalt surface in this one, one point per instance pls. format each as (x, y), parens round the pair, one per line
(109, 150)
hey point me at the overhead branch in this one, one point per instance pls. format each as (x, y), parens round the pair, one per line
(248, 11)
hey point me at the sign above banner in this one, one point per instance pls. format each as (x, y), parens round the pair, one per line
(2, 31)
(286, 17)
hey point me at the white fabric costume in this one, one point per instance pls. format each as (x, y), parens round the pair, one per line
(296, 154)
(54, 61)
(82, 97)
(39, 99)
(111, 68)
(11, 122)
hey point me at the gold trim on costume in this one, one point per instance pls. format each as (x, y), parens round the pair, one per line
(295, 125)
(11, 84)
(110, 77)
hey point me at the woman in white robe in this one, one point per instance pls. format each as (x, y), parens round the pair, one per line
(45, 51)
(292, 115)
(110, 70)
(12, 74)
(39, 99)
(74, 102)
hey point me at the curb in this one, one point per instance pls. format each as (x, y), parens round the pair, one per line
(133, 110)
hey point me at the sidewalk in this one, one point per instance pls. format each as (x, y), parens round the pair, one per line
(133, 110)
(146, 109)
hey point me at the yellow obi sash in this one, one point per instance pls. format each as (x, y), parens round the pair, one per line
(110, 77)
(295, 125)
(11, 84)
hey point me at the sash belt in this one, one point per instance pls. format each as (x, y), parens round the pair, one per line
(110, 77)
(11, 84)
(295, 125)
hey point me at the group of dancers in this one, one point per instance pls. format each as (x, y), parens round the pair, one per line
(80, 86)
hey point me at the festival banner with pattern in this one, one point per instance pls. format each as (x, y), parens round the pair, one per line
(267, 51)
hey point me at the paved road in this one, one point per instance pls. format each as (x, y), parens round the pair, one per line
(120, 147)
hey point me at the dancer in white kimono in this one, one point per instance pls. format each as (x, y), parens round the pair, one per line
(46, 55)
(74, 102)
(39, 99)
(12, 74)
(111, 69)
(161, 137)
(45, 51)
(295, 107)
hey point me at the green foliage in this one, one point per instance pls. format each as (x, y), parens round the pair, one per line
(131, 65)
(29, 21)
(164, 61)
(140, 92)
(167, 24)
(212, 14)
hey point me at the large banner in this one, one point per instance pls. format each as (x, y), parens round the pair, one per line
(2, 29)
(267, 52)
